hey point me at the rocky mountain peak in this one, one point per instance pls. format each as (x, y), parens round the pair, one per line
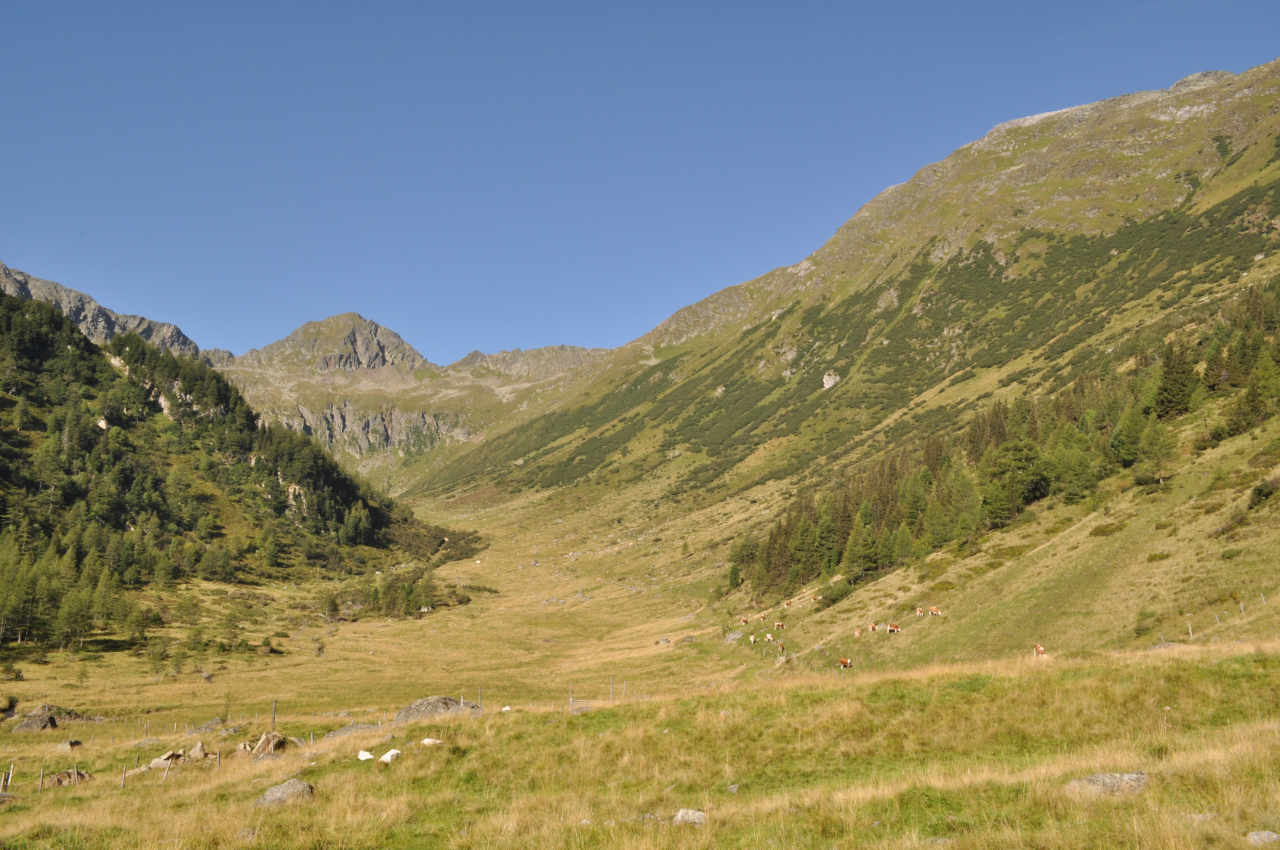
(95, 321)
(345, 343)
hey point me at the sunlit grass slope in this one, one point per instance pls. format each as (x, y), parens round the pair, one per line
(977, 754)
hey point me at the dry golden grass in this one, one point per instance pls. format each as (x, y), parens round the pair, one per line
(977, 753)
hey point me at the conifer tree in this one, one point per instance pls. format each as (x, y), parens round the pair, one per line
(1126, 441)
(1158, 446)
(1216, 374)
(1177, 381)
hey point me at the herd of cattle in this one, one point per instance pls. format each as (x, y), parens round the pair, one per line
(1037, 650)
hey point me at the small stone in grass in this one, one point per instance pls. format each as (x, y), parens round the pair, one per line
(693, 817)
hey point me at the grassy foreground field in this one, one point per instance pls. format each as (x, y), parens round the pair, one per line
(975, 754)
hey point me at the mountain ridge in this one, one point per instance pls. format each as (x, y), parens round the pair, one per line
(97, 322)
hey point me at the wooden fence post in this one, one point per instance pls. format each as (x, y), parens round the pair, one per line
(273, 715)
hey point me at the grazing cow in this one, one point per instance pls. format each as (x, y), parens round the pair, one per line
(762, 618)
(934, 612)
(779, 626)
(873, 627)
(1037, 651)
(753, 640)
(768, 638)
(782, 649)
(845, 662)
(786, 604)
(894, 627)
(919, 612)
(746, 620)
(857, 632)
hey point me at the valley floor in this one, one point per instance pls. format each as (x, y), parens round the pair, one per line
(972, 755)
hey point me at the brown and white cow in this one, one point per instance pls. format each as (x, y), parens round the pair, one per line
(768, 638)
(786, 604)
(1037, 651)
(934, 612)
(846, 662)
(919, 612)
(894, 628)
(746, 620)
(779, 626)
(873, 627)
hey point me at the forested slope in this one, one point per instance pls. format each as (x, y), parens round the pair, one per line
(128, 468)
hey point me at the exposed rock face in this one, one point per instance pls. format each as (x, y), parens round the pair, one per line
(97, 322)
(293, 791)
(429, 707)
(348, 427)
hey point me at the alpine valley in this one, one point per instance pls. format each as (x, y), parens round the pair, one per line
(883, 547)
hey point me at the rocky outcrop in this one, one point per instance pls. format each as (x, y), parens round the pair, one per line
(429, 707)
(346, 426)
(1108, 784)
(95, 321)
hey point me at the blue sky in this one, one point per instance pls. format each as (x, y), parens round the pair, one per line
(487, 175)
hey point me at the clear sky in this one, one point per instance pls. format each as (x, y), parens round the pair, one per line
(487, 175)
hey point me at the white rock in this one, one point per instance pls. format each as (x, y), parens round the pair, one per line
(692, 817)
(1265, 836)
(431, 742)
(365, 755)
(389, 756)
(506, 708)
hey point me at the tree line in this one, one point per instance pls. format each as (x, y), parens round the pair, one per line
(920, 496)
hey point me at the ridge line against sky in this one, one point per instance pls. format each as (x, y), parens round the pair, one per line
(501, 176)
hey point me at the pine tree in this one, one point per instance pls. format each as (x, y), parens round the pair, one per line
(1126, 441)
(1158, 446)
(1216, 374)
(860, 554)
(1177, 380)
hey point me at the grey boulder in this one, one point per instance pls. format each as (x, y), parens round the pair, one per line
(429, 707)
(290, 792)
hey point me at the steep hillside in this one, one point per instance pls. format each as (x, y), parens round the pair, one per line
(1044, 248)
(132, 470)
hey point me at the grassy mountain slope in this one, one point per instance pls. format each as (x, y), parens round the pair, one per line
(1041, 248)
